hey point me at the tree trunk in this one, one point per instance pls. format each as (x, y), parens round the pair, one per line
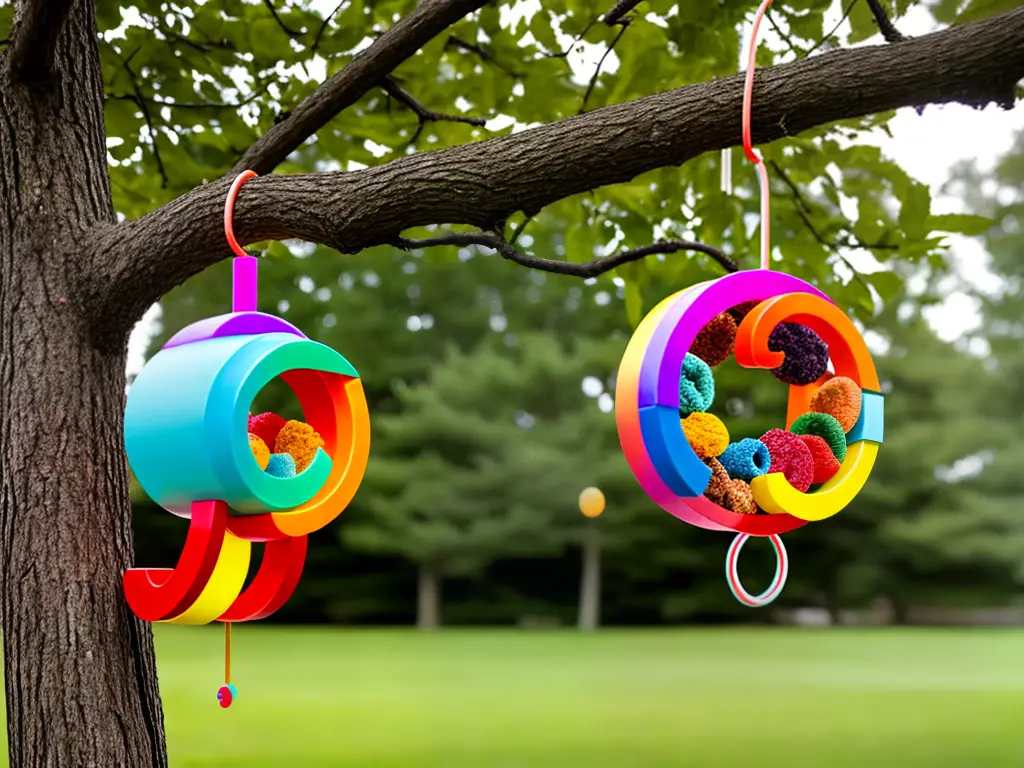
(80, 670)
(428, 604)
(590, 579)
(833, 606)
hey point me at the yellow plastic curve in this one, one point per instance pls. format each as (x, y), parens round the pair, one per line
(224, 586)
(775, 495)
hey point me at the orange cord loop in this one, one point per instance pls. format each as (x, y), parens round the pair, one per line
(229, 211)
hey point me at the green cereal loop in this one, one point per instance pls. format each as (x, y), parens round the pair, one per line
(825, 426)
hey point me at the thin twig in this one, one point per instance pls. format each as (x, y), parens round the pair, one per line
(323, 26)
(125, 61)
(793, 47)
(363, 73)
(826, 38)
(280, 22)
(889, 32)
(586, 269)
(519, 230)
(485, 55)
(425, 114)
(140, 102)
(565, 54)
(805, 210)
(600, 63)
(619, 10)
(194, 104)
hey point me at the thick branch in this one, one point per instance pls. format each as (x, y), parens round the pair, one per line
(365, 71)
(478, 184)
(585, 269)
(36, 29)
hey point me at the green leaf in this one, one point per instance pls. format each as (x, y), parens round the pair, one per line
(634, 304)
(808, 26)
(914, 211)
(888, 284)
(634, 275)
(859, 293)
(945, 11)
(983, 9)
(961, 223)
(862, 23)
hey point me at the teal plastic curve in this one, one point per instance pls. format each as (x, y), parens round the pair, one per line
(186, 417)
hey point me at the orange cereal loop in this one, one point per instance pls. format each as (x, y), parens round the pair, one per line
(299, 440)
(259, 450)
(706, 434)
(840, 398)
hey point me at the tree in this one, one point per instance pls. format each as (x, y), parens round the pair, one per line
(995, 477)
(109, 112)
(485, 461)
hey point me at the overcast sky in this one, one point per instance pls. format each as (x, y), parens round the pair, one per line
(927, 146)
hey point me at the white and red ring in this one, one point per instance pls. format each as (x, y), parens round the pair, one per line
(732, 574)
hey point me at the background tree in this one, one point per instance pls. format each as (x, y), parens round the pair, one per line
(482, 460)
(116, 117)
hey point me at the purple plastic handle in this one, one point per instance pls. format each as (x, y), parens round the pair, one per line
(244, 283)
(234, 324)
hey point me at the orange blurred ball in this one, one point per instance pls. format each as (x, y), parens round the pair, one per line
(591, 502)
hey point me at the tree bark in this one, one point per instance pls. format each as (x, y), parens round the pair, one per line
(590, 579)
(428, 602)
(80, 673)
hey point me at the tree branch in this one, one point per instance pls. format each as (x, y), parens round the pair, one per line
(324, 25)
(889, 32)
(586, 269)
(140, 102)
(425, 114)
(485, 55)
(34, 40)
(280, 22)
(483, 182)
(600, 64)
(618, 12)
(344, 89)
(828, 37)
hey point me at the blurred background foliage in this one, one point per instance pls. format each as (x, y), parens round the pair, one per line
(491, 387)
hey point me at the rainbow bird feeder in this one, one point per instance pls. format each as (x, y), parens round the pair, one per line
(775, 483)
(188, 435)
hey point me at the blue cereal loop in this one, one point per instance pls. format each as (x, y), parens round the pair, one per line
(745, 460)
(696, 386)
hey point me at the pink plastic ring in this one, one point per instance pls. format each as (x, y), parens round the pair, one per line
(733, 577)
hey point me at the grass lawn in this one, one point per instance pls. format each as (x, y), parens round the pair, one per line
(622, 699)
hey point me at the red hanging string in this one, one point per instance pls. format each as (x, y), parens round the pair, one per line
(227, 653)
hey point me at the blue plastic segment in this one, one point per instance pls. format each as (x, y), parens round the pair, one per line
(186, 422)
(673, 458)
(870, 425)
